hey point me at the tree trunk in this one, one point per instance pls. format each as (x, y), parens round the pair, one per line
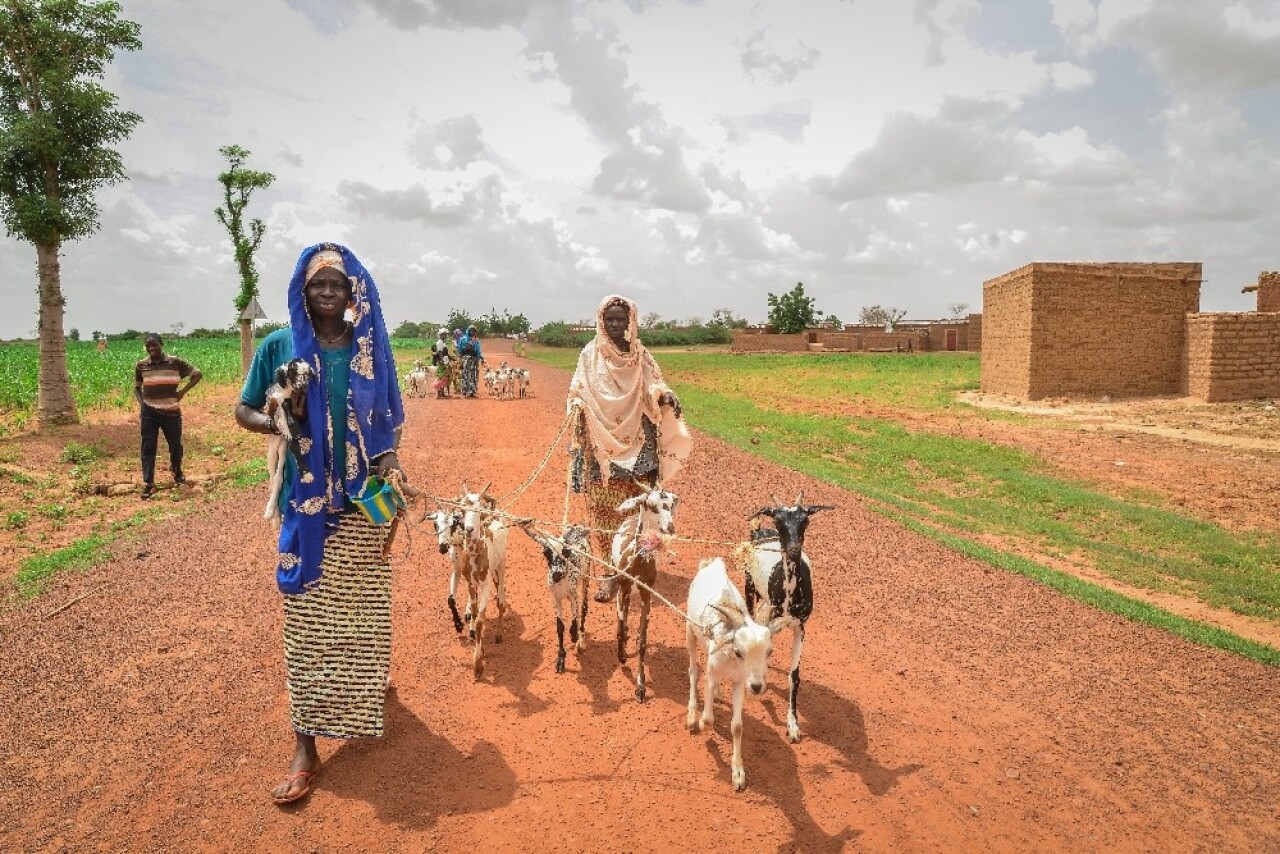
(246, 346)
(55, 405)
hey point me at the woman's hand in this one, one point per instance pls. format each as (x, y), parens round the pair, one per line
(387, 463)
(669, 398)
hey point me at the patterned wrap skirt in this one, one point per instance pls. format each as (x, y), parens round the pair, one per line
(470, 375)
(602, 496)
(337, 636)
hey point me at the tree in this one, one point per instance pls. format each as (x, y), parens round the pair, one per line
(833, 322)
(793, 311)
(957, 310)
(725, 317)
(57, 129)
(877, 315)
(650, 320)
(238, 185)
(73, 335)
(459, 319)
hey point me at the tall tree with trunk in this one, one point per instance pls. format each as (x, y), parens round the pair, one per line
(57, 129)
(238, 185)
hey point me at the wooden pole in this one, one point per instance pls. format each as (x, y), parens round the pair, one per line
(246, 345)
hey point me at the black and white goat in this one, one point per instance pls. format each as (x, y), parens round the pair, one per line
(566, 581)
(779, 582)
(737, 648)
(650, 518)
(293, 375)
(449, 534)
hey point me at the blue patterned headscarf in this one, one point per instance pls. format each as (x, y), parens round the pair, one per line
(374, 414)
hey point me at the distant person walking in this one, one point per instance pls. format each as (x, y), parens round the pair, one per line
(159, 389)
(469, 353)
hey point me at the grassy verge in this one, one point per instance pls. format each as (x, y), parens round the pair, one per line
(951, 488)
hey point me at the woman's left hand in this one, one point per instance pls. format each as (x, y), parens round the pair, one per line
(669, 398)
(388, 463)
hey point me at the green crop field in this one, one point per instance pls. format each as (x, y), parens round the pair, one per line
(105, 380)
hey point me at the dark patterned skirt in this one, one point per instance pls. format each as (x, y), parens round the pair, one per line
(337, 637)
(470, 375)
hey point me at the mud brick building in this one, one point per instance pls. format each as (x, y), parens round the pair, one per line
(1060, 329)
(1125, 330)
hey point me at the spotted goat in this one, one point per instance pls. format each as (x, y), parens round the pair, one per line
(566, 581)
(779, 582)
(650, 519)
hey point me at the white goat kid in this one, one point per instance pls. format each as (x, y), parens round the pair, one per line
(484, 550)
(449, 534)
(418, 380)
(737, 650)
(636, 543)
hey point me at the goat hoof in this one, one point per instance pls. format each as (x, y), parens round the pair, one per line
(640, 693)
(739, 780)
(793, 736)
(693, 724)
(497, 638)
(457, 626)
(472, 634)
(559, 664)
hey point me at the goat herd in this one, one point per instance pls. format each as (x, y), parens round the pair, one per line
(502, 383)
(734, 630)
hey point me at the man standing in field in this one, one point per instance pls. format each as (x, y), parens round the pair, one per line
(155, 385)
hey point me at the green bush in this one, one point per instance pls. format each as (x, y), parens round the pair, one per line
(79, 454)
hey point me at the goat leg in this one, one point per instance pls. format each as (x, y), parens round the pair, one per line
(692, 642)
(793, 720)
(624, 606)
(735, 729)
(559, 644)
(642, 642)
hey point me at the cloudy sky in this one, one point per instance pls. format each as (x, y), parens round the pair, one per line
(535, 155)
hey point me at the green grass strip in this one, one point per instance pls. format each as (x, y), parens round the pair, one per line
(35, 571)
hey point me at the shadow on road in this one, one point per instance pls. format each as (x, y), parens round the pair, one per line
(399, 773)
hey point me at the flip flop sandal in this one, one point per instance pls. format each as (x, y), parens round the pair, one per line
(307, 776)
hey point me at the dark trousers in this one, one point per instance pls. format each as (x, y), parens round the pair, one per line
(153, 422)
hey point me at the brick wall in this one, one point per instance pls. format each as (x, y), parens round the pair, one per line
(841, 341)
(938, 335)
(1269, 292)
(752, 342)
(918, 338)
(975, 333)
(1232, 356)
(1117, 329)
(1006, 333)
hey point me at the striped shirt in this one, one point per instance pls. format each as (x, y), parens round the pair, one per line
(159, 382)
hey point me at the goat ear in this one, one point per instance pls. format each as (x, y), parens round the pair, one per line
(766, 511)
(818, 508)
(628, 505)
(775, 625)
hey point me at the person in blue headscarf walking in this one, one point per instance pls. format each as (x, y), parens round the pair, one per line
(472, 358)
(332, 568)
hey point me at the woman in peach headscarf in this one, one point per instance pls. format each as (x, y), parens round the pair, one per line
(629, 433)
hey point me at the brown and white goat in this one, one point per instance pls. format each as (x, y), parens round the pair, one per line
(449, 536)
(779, 582)
(483, 550)
(636, 543)
(566, 581)
(737, 649)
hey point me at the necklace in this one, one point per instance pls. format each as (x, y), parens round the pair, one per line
(346, 327)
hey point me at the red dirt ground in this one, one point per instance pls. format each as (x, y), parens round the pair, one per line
(945, 705)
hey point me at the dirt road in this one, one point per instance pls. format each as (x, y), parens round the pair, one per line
(945, 705)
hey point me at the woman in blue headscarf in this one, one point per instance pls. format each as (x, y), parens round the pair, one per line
(469, 351)
(332, 569)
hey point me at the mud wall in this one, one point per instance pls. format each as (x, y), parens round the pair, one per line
(1232, 356)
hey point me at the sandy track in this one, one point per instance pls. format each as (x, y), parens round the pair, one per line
(945, 704)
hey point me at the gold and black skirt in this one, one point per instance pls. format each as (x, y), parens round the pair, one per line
(337, 637)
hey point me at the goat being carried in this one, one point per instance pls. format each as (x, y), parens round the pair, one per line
(635, 549)
(779, 581)
(292, 377)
